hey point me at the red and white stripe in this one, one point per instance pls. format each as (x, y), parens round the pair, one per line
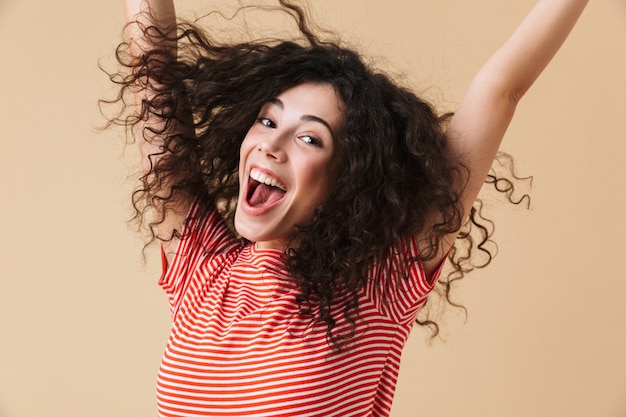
(238, 346)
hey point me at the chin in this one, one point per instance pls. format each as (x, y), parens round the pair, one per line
(247, 229)
(266, 236)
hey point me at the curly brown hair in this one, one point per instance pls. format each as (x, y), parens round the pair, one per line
(397, 173)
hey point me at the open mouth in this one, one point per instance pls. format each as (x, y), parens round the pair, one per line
(263, 190)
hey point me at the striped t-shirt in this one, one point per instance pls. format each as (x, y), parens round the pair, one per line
(238, 346)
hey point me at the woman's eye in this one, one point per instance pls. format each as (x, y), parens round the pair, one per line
(310, 140)
(266, 122)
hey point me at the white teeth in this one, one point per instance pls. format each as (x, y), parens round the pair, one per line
(257, 175)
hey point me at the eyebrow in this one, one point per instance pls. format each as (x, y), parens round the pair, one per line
(306, 117)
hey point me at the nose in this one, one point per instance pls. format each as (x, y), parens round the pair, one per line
(273, 146)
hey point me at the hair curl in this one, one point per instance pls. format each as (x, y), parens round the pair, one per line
(397, 173)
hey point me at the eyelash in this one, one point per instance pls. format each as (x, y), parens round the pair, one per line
(312, 140)
(266, 122)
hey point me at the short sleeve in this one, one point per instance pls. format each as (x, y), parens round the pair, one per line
(202, 236)
(399, 285)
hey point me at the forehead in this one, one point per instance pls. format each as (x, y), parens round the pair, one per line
(317, 100)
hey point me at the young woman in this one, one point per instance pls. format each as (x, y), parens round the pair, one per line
(305, 204)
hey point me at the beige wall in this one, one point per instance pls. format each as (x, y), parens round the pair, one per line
(83, 324)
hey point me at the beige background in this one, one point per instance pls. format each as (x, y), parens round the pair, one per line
(83, 324)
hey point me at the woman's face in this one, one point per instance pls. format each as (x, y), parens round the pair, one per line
(286, 167)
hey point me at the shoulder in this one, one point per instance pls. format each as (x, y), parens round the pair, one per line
(204, 230)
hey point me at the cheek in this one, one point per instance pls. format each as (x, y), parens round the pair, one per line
(244, 147)
(244, 150)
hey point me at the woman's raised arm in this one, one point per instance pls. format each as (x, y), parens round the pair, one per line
(162, 10)
(141, 14)
(484, 114)
(151, 32)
